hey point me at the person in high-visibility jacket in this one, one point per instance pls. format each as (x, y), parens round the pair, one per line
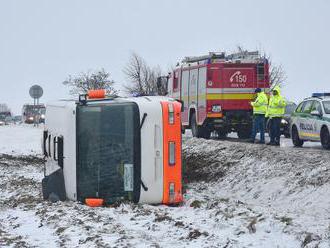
(259, 110)
(275, 112)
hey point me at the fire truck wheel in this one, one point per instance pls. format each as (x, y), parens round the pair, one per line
(222, 134)
(198, 131)
(244, 133)
(206, 134)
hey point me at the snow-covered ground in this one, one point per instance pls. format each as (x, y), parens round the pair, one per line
(20, 139)
(238, 195)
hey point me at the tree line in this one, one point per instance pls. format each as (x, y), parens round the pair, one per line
(142, 78)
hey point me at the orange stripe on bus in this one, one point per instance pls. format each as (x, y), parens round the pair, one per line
(172, 173)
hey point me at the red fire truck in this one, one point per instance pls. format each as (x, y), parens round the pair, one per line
(216, 91)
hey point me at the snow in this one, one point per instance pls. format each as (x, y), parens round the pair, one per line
(20, 139)
(238, 195)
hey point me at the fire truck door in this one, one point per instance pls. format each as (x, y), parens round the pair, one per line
(193, 83)
(201, 95)
(185, 96)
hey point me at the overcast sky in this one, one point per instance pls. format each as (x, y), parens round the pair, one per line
(42, 42)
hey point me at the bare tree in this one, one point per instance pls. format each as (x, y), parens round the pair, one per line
(143, 78)
(86, 81)
(277, 74)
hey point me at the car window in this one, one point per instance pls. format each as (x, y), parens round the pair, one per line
(298, 109)
(307, 107)
(326, 105)
(317, 106)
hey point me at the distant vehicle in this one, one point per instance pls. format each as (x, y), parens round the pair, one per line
(33, 113)
(311, 121)
(101, 150)
(5, 114)
(285, 122)
(216, 90)
(8, 120)
(17, 119)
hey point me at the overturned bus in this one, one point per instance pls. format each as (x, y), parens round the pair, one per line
(103, 150)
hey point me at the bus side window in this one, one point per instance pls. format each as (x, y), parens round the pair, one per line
(49, 151)
(60, 157)
(44, 143)
(55, 139)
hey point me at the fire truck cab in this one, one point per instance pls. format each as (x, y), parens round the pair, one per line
(113, 149)
(216, 91)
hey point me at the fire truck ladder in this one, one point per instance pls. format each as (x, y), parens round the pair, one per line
(211, 55)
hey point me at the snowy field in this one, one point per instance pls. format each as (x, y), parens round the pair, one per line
(238, 195)
(21, 139)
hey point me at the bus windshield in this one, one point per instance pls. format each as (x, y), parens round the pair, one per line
(108, 141)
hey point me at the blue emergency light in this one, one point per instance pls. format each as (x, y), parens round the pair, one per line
(320, 94)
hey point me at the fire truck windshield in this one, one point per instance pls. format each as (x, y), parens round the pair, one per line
(108, 143)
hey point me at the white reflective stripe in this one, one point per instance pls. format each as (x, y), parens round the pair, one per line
(257, 104)
(231, 90)
(278, 107)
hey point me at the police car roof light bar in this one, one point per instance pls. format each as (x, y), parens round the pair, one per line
(320, 94)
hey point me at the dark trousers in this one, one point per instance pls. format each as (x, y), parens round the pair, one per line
(275, 129)
(258, 125)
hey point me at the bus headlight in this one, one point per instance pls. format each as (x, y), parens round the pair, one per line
(284, 122)
(172, 192)
(171, 153)
(170, 113)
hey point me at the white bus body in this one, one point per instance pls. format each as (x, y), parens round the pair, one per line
(114, 149)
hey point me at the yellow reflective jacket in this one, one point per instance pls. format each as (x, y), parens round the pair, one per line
(260, 104)
(276, 106)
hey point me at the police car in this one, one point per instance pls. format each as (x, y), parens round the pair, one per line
(311, 121)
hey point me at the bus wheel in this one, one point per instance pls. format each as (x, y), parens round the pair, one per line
(198, 131)
(325, 138)
(244, 133)
(297, 142)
